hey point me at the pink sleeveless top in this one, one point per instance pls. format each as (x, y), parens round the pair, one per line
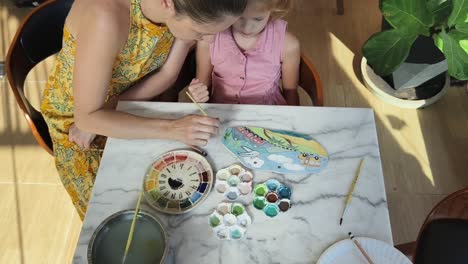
(250, 77)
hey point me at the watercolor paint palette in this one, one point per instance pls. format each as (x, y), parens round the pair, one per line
(230, 221)
(272, 197)
(178, 181)
(276, 151)
(233, 182)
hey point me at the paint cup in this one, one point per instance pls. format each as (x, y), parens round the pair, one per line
(232, 194)
(215, 219)
(245, 188)
(284, 192)
(261, 189)
(223, 208)
(259, 202)
(237, 209)
(233, 180)
(246, 176)
(271, 210)
(223, 174)
(235, 169)
(272, 197)
(284, 205)
(235, 232)
(221, 186)
(229, 219)
(272, 184)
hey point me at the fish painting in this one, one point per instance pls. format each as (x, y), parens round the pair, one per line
(277, 151)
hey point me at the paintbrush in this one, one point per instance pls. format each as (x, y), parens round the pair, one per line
(132, 228)
(196, 103)
(358, 245)
(351, 190)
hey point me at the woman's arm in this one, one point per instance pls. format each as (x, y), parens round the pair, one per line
(160, 81)
(290, 68)
(96, 50)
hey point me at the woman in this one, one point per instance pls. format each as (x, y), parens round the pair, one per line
(110, 47)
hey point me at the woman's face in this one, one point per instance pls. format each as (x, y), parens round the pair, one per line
(183, 27)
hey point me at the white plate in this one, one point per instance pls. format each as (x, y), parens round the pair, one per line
(345, 251)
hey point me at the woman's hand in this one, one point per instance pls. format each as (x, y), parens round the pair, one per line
(81, 138)
(199, 91)
(194, 130)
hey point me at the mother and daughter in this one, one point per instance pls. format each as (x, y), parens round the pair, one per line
(134, 49)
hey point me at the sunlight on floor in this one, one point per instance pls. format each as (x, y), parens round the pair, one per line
(402, 122)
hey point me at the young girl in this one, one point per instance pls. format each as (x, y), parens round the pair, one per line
(123, 50)
(246, 63)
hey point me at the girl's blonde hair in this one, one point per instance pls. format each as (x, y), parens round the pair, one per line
(278, 8)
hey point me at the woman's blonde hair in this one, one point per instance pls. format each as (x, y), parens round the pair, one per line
(278, 8)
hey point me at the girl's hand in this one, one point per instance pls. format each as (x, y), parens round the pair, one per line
(199, 91)
(81, 138)
(194, 130)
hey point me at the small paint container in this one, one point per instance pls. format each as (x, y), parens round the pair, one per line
(229, 220)
(235, 169)
(284, 192)
(272, 184)
(284, 205)
(246, 176)
(272, 197)
(233, 180)
(245, 188)
(221, 186)
(237, 209)
(224, 208)
(261, 190)
(216, 219)
(232, 194)
(271, 210)
(259, 202)
(223, 174)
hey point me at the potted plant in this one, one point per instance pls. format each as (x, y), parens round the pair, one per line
(421, 44)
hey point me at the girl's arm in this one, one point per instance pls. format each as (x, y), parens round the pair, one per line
(98, 42)
(290, 68)
(204, 66)
(199, 87)
(160, 81)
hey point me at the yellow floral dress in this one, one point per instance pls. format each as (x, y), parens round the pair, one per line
(146, 50)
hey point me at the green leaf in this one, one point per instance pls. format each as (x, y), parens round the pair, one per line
(457, 57)
(386, 50)
(439, 42)
(440, 9)
(410, 17)
(459, 13)
(462, 27)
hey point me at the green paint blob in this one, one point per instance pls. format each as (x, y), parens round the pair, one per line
(214, 221)
(233, 181)
(261, 189)
(259, 202)
(237, 209)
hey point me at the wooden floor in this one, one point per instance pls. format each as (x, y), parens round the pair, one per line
(424, 152)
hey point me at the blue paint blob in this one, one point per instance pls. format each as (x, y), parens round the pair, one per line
(272, 184)
(284, 192)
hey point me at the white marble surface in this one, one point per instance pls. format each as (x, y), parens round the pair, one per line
(298, 236)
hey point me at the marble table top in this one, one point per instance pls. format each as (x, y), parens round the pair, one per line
(297, 236)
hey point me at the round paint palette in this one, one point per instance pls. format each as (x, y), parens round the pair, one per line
(178, 181)
(230, 221)
(233, 182)
(272, 197)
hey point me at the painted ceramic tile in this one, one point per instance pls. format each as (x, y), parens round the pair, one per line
(277, 151)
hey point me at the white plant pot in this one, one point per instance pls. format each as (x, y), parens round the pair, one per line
(383, 90)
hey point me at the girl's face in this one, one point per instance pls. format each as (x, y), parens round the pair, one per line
(252, 21)
(182, 27)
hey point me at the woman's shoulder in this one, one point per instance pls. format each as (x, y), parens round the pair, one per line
(108, 16)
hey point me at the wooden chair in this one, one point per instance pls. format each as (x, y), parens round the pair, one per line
(310, 81)
(443, 237)
(40, 36)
